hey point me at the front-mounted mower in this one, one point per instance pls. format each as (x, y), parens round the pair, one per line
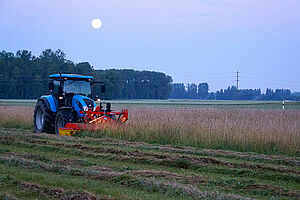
(70, 106)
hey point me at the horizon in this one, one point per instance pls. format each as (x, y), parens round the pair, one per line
(193, 41)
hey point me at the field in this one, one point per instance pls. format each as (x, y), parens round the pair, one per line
(168, 149)
(181, 103)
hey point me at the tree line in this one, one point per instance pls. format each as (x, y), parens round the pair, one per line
(201, 91)
(25, 76)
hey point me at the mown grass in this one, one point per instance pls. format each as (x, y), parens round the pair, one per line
(98, 187)
(88, 158)
(33, 158)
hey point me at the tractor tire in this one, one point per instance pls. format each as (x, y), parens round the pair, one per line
(62, 118)
(43, 118)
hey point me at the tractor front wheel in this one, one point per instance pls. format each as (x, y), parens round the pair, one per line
(43, 118)
(62, 118)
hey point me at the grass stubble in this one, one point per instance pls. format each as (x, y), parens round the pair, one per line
(172, 173)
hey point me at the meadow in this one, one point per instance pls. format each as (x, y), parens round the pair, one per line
(261, 127)
(198, 150)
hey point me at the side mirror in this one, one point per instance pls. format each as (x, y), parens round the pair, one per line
(103, 88)
(51, 86)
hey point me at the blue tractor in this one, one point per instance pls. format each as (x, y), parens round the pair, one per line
(70, 105)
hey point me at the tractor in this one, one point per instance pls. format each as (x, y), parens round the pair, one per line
(71, 106)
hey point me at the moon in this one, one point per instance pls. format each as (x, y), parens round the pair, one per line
(96, 23)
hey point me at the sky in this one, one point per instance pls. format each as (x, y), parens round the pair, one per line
(193, 41)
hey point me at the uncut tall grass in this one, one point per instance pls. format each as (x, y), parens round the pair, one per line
(258, 130)
(16, 117)
(264, 131)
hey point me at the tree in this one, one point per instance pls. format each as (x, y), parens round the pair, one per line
(178, 91)
(202, 90)
(192, 91)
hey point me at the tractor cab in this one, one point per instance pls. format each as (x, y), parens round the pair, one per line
(74, 91)
(65, 86)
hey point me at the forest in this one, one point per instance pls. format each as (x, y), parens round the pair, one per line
(25, 76)
(201, 91)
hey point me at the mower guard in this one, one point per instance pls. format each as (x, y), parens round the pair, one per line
(91, 120)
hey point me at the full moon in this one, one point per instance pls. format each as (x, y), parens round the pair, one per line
(96, 23)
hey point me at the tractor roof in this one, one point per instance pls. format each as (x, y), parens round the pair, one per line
(71, 76)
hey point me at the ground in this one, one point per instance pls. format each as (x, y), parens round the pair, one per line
(95, 166)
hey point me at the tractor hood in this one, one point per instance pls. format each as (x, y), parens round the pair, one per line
(82, 103)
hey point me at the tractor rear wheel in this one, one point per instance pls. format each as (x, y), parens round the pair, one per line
(43, 118)
(62, 118)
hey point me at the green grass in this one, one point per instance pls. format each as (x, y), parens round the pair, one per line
(178, 103)
(71, 164)
(17, 102)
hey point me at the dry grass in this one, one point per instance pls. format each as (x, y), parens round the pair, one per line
(264, 131)
(16, 117)
(236, 129)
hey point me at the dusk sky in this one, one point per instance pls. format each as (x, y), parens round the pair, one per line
(192, 40)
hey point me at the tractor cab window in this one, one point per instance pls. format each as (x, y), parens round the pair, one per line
(77, 87)
(55, 91)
